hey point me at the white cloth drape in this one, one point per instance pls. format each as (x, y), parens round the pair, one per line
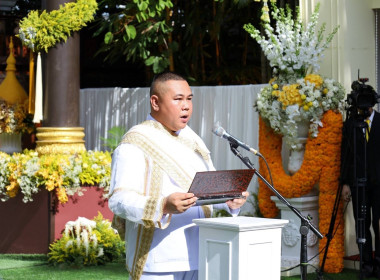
(38, 110)
(231, 106)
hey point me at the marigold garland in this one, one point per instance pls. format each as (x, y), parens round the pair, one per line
(321, 164)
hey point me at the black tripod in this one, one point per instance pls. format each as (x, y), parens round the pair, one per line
(306, 225)
(358, 187)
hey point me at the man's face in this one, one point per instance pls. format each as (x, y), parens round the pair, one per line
(173, 105)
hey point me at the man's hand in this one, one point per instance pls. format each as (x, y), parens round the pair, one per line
(346, 193)
(238, 202)
(178, 202)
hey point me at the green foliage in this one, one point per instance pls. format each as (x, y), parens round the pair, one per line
(255, 204)
(86, 243)
(43, 30)
(202, 40)
(116, 134)
(93, 171)
(139, 31)
(221, 213)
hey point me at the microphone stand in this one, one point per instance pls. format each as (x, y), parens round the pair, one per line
(305, 226)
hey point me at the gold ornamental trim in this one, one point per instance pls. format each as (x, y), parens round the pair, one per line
(67, 140)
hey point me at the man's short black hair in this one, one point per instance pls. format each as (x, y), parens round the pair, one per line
(164, 77)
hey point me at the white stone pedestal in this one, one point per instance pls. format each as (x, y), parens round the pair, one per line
(239, 248)
(291, 237)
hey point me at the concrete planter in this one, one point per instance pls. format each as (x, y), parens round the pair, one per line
(29, 228)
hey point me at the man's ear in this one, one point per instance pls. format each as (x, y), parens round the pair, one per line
(154, 103)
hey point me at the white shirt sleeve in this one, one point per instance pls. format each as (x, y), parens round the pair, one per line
(130, 169)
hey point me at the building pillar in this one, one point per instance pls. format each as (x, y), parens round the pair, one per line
(60, 131)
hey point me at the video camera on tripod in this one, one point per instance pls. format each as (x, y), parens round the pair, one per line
(361, 98)
(354, 166)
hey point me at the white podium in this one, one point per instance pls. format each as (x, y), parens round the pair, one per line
(239, 248)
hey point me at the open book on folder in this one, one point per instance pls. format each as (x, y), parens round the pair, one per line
(211, 187)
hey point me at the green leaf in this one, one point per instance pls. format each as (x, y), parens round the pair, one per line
(150, 60)
(152, 13)
(157, 68)
(108, 38)
(131, 32)
(162, 4)
(115, 134)
(142, 5)
(138, 17)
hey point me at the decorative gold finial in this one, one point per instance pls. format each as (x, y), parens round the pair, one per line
(10, 89)
(11, 60)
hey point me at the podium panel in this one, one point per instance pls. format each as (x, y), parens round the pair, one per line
(239, 248)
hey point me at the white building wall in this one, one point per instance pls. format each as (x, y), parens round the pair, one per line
(353, 47)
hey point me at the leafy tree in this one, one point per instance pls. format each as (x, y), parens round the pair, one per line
(137, 30)
(202, 39)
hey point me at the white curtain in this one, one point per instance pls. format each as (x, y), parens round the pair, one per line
(231, 106)
(103, 108)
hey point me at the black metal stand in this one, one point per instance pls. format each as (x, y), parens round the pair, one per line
(306, 225)
(359, 187)
(329, 235)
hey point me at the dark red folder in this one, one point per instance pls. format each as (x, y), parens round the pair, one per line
(212, 187)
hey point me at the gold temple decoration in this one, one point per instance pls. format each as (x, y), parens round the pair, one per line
(64, 140)
(11, 91)
(32, 83)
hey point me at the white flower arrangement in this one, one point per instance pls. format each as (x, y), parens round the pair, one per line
(295, 93)
(285, 108)
(81, 231)
(87, 242)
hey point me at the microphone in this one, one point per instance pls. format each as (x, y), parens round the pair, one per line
(221, 132)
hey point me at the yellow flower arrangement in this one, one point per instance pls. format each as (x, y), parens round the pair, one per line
(283, 106)
(315, 79)
(27, 173)
(289, 95)
(14, 119)
(321, 163)
(40, 31)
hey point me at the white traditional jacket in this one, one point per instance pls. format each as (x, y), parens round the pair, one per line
(147, 166)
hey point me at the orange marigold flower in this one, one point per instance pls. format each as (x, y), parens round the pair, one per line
(321, 164)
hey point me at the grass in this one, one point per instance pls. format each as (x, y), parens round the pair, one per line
(31, 267)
